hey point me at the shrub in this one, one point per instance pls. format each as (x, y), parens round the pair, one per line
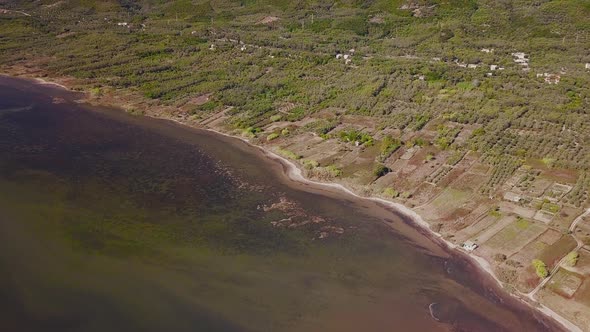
(419, 141)
(455, 158)
(96, 92)
(250, 132)
(388, 146)
(356, 136)
(572, 258)
(209, 106)
(275, 117)
(322, 127)
(288, 154)
(272, 136)
(285, 132)
(495, 212)
(380, 170)
(334, 171)
(390, 192)
(540, 268)
(310, 164)
(296, 114)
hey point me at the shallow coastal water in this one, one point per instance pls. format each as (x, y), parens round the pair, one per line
(123, 223)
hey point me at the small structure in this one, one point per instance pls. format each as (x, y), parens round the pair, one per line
(522, 59)
(493, 67)
(469, 246)
(552, 79)
(347, 57)
(472, 66)
(487, 50)
(588, 66)
(512, 197)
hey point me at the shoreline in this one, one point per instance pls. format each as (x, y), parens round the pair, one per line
(42, 81)
(294, 173)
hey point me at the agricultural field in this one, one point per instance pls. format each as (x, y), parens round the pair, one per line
(568, 292)
(514, 236)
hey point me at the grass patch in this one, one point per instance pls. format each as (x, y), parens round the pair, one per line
(288, 154)
(522, 223)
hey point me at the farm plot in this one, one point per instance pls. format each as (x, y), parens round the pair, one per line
(449, 201)
(565, 283)
(555, 252)
(515, 236)
(575, 309)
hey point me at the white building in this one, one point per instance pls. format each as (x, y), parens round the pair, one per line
(469, 246)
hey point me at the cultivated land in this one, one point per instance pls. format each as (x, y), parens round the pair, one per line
(473, 113)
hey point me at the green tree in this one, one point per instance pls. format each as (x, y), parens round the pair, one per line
(572, 258)
(540, 268)
(380, 170)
